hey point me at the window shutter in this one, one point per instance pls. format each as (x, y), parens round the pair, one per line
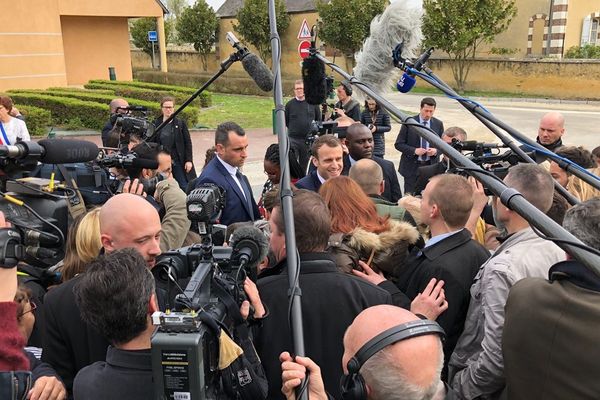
(585, 30)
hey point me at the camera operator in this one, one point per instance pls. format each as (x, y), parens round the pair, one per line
(346, 106)
(117, 106)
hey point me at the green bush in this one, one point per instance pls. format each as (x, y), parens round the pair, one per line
(588, 51)
(205, 97)
(93, 115)
(78, 90)
(225, 84)
(147, 94)
(190, 114)
(37, 119)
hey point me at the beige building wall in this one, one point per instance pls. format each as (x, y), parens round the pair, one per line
(31, 45)
(116, 8)
(92, 44)
(515, 37)
(578, 10)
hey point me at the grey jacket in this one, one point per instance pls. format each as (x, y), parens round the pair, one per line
(476, 368)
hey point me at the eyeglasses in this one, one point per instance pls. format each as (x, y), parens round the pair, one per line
(33, 306)
(168, 107)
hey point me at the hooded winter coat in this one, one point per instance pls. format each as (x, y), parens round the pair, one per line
(387, 250)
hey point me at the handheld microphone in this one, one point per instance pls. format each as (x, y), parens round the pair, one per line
(405, 83)
(254, 66)
(473, 145)
(315, 80)
(43, 238)
(52, 151)
(250, 247)
(40, 252)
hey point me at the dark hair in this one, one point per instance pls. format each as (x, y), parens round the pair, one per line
(143, 150)
(324, 140)
(583, 222)
(347, 87)
(272, 155)
(558, 208)
(222, 132)
(596, 152)
(270, 198)
(314, 221)
(210, 154)
(114, 293)
(579, 155)
(428, 101)
(455, 131)
(377, 107)
(453, 194)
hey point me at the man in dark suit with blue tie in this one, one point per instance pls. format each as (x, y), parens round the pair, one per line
(416, 152)
(231, 145)
(359, 140)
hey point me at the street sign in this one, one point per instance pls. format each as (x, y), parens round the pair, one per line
(303, 48)
(152, 36)
(304, 32)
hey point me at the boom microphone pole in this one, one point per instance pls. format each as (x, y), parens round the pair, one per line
(510, 197)
(286, 200)
(433, 80)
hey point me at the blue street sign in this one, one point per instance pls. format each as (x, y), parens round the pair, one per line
(152, 36)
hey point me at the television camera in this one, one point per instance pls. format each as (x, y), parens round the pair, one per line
(186, 346)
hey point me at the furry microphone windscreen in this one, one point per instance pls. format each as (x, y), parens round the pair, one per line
(258, 71)
(313, 76)
(399, 23)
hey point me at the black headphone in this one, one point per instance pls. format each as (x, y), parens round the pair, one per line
(352, 385)
(347, 88)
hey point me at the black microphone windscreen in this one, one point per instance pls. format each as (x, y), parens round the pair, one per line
(65, 151)
(258, 71)
(144, 163)
(315, 84)
(253, 234)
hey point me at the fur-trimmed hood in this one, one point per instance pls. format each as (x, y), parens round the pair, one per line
(387, 250)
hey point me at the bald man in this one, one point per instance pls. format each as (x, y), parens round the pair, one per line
(126, 220)
(407, 369)
(117, 106)
(550, 132)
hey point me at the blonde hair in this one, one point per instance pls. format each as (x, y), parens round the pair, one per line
(582, 190)
(88, 241)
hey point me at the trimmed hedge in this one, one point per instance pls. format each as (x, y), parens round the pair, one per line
(170, 90)
(78, 90)
(190, 114)
(225, 84)
(37, 119)
(63, 109)
(147, 94)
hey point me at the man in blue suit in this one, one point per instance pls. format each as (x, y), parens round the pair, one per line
(416, 151)
(359, 140)
(327, 157)
(231, 145)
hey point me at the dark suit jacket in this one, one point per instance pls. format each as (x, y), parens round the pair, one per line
(408, 141)
(426, 172)
(236, 207)
(183, 142)
(326, 318)
(310, 182)
(392, 191)
(456, 260)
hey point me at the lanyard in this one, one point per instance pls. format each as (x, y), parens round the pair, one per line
(4, 138)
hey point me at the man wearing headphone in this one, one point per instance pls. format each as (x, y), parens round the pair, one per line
(346, 106)
(389, 353)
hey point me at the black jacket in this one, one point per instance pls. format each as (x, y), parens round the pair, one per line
(426, 172)
(456, 260)
(382, 125)
(330, 302)
(408, 141)
(182, 141)
(392, 191)
(124, 375)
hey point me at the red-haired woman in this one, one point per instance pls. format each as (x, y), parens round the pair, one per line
(359, 233)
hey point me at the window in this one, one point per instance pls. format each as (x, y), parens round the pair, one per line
(594, 32)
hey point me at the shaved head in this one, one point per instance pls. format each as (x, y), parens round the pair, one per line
(129, 220)
(551, 129)
(417, 360)
(368, 174)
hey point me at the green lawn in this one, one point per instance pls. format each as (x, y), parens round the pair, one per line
(426, 89)
(247, 111)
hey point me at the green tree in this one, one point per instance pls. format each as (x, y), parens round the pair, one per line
(458, 28)
(345, 24)
(198, 25)
(175, 7)
(253, 24)
(139, 32)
